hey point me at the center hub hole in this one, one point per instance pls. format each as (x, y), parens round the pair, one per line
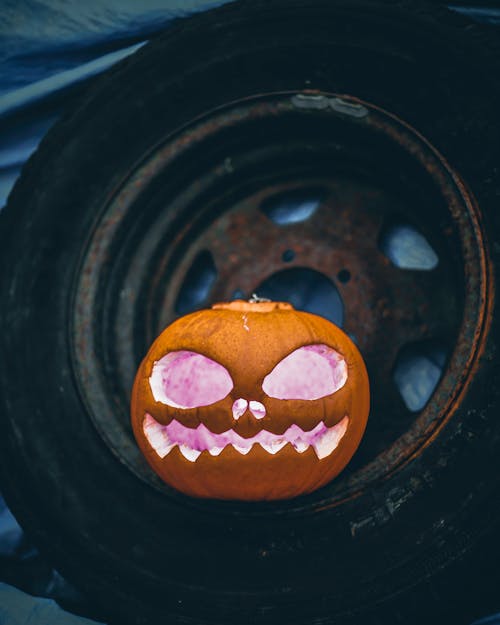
(306, 289)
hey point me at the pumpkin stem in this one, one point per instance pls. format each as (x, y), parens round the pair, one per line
(255, 299)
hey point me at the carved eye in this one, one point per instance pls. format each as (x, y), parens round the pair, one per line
(310, 372)
(185, 379)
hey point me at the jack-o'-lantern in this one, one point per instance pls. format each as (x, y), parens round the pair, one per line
(250, 401)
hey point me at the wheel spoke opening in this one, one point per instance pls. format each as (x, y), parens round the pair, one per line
(306, 289)
(407, 248)
(292, 207)
(418, 369)
(197, 284)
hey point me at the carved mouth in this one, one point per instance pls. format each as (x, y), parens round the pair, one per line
(194, 441)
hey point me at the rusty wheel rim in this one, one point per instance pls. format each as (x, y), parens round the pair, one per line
(205, 189)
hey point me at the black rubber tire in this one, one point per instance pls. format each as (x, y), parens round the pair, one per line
(420, 547)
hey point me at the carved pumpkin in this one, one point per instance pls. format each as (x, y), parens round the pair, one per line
(250, 401)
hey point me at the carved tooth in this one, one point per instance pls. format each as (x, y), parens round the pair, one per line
(327, 442)
(215, 451)
(164, 449)
(274, 446)
(188, 453)
(300, 445)
(243, 449)
(157, 436)
(279, 444)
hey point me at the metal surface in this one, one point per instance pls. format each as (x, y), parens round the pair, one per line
(202, 191)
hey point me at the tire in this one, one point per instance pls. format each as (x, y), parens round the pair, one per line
(416, 543)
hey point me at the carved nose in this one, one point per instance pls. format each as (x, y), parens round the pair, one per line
(239, 408)
(256, 408)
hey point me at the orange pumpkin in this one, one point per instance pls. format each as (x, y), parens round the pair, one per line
(250, 401)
